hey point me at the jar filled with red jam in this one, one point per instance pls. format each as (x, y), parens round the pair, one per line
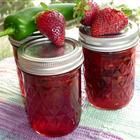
(16, 45)
(109, 67)
(52, 82)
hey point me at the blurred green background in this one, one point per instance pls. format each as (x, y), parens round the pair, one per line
(11, 6)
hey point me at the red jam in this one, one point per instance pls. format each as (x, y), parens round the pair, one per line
(53, 103)
(109, 77)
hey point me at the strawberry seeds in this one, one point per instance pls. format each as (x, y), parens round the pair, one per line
(52, 25)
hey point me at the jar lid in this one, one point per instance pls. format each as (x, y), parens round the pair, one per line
(128, 38)
(41, 57)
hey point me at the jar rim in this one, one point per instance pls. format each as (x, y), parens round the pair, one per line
(128, 38)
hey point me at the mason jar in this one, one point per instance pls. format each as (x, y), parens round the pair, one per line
(52, 82)
(109, 67)
(15, 44)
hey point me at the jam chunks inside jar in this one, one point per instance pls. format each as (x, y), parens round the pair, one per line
(52, 82)
(109, 67)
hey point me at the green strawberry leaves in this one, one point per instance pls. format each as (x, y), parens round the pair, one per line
(127, 11)
(79, 9)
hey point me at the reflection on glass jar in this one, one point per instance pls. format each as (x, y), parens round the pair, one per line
(16, 44)
(52, 82)
(109, 67)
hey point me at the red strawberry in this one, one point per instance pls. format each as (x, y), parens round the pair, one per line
(109, 21)
(52, 25)
(89, 15)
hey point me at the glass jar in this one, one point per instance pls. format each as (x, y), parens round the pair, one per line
(109, 67)
(15, 44)
(52, 82)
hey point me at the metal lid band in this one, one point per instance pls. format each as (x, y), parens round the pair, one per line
(126, 39)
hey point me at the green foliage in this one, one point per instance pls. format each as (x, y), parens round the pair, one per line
(11, 6)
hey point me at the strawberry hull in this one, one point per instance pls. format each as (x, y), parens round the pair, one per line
(110, 67)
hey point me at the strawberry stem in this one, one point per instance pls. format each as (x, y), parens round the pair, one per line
(44, 6)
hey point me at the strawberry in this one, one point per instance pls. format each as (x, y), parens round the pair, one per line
(90, 14)
(52, 24)
(109, 21)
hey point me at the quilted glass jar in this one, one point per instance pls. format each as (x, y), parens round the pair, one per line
(52, 82)
(109, 67)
